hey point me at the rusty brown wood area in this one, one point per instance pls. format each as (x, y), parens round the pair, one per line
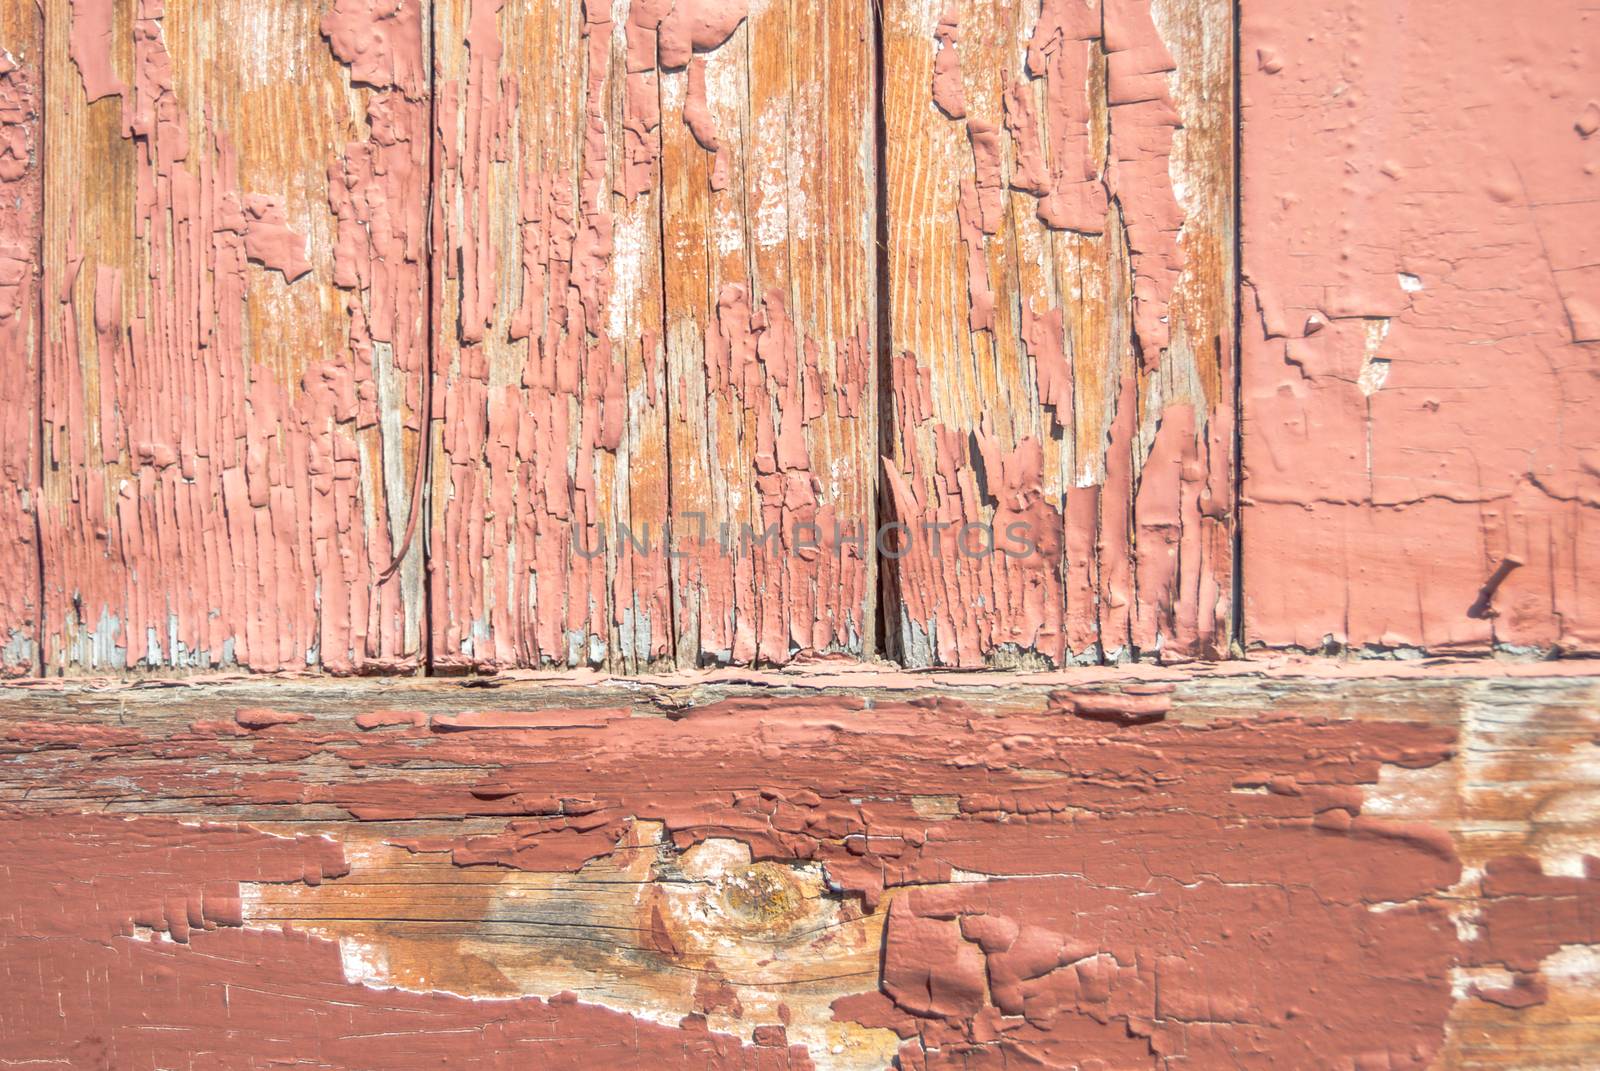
(1286, 866)
(462, 335)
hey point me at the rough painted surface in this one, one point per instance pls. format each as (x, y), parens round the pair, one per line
(1147, 871)
(769, 191)
(548, 296)
(21, 219)
(235, 322)
(1419, 325)
(655, 285)
(1059, 233)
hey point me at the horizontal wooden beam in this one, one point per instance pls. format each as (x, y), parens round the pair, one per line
(1294, 865)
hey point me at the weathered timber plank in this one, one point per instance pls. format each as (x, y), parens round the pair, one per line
(236, 327)
(1295, 867)
(21, 221)
(596, 164)
(1420, 326)
(1059, 185)
(768, 185)
(553, 442)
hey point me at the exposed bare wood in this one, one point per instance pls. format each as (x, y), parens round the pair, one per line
(235, 254)
(1238, 868)
(1059, 183)
(21, 220)
(768, 180)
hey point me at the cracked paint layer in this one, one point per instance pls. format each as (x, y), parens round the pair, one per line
(235, 351)
(1225, 872)
(769, 285)
(576, 215)
(1061, 331)
(552, 441)
(21, 221)
(1419, 338)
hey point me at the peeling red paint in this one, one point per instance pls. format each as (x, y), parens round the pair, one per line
(771, 396)
(790, 581)
(532, 570)
(21, 217)
(1055, 889)
(227, 521)
(1417, 384)
(1121, 585)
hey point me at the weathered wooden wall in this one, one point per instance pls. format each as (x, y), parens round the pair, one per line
(354, 337)
(235, 266)
(688, 306)
(655, 303)
(21, 216)
(1059, 214)
(1421, 297)
(1368, 869)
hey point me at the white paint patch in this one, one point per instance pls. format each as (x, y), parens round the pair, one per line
(729, 228)
(725, 91)
(801, 217)
(1573, 966)
(1426, 793)
(1410, 283)
(627, 269)
(364, 963)
(1462, 979)
(1374, 369)
(265, 47)
(771, 192)
(674, 87)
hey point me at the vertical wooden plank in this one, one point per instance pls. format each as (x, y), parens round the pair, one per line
(768, 180)
(1421, 327)
(21, 217)
(550, 489)
(1059, 183)
(236, 323)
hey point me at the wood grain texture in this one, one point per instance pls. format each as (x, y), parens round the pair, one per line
(21, 224)
(1059, 212)
(236, 330)
(656, 286)
(1290, 866)
(1421, 327)
(548, 281)
(768, 180)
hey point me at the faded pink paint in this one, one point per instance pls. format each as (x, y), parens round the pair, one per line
(240, 532)
(1123, 586)
(89, 43)
(525, 573)
(948, 92)
(21, 215)
(1422, 458)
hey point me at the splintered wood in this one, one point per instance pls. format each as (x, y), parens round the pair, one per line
(491, 335)
(655, 295)
(1150, 870)
(236, 342)
(1060, 256)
